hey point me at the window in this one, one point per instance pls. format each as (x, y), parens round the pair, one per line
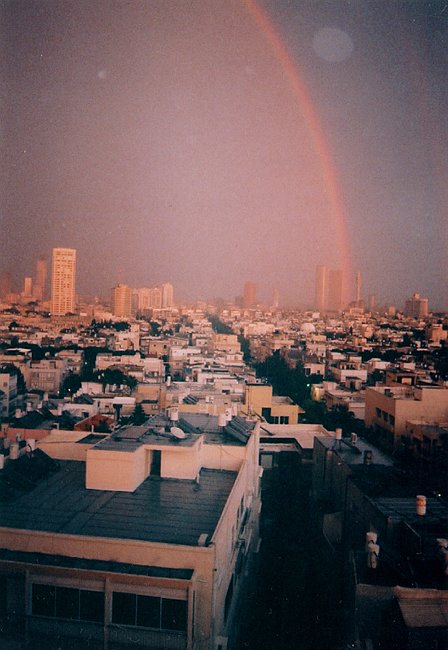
(68, 603)
(43, 600)
(378, 412)
(149, 611)
(228, 599)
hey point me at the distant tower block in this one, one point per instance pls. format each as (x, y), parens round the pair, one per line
(372, 302)
(358, 287)
(250, 295)
(320, 293)
(122, 301)
(27, 288)
(63, 278)
(5, 284)
(167, 295)
(40, 279)
(335, 291)
(275, 298)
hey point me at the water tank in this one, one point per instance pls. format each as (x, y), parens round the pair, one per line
(14, 450)
(174, 414)
(222, 420)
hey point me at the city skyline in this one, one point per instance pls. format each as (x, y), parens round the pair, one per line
(328, 293)
(277, 142)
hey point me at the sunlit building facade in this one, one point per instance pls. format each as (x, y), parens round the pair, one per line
(320, 290)
(122, 301)
(416, 307)
(334, 300)
(167, 295)
(40, 279)
(250, 295)
(63, 279)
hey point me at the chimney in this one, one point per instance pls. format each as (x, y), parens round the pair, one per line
(338, 434)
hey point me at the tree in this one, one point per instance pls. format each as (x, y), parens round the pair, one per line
(70, 385)
(138, 415)
(114, 377)
(11, 369)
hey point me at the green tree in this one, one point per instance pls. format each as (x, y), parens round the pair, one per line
(114, 377)
(138, 415)
(70, 385)
(11, 369)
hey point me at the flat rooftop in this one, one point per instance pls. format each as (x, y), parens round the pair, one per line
(354, 454)
(169, 511)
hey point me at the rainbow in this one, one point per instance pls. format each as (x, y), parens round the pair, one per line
(330, 181)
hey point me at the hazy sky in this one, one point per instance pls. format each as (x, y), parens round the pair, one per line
(164, 141)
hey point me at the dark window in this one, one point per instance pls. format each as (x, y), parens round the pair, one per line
(174, 615)
(67, 603)
(91, 606)
(148, 611)
(3, 596)
(43, 600)
(156, 462)
(123, 608)
(228, 600)
(266, 414)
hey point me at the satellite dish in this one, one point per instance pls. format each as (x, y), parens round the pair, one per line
(177, 432)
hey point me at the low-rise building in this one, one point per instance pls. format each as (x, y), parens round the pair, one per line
(146, 542)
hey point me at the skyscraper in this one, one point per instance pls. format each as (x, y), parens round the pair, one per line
(416, 307)
(63, 277)
(167, 295)
(250, 295)
(320, 292)
(334, 302)
(5, 284)
(358, 287)
(40, 279)
(27, 292)
(122, 301)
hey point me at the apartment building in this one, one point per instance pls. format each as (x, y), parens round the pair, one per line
(389, 408)
(143, 544)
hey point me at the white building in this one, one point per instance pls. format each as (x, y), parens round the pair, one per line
(63, 278)
(144, 543)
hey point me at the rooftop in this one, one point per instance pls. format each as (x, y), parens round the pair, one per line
(168, 511)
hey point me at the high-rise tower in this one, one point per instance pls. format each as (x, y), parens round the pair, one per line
(167, 295)
(358, 287)
(40, 280)
(63, 276)
(122, 301)
(334, 302)
(320, 291)
(250, 295)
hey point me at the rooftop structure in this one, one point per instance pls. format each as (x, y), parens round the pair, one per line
(145, 541)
